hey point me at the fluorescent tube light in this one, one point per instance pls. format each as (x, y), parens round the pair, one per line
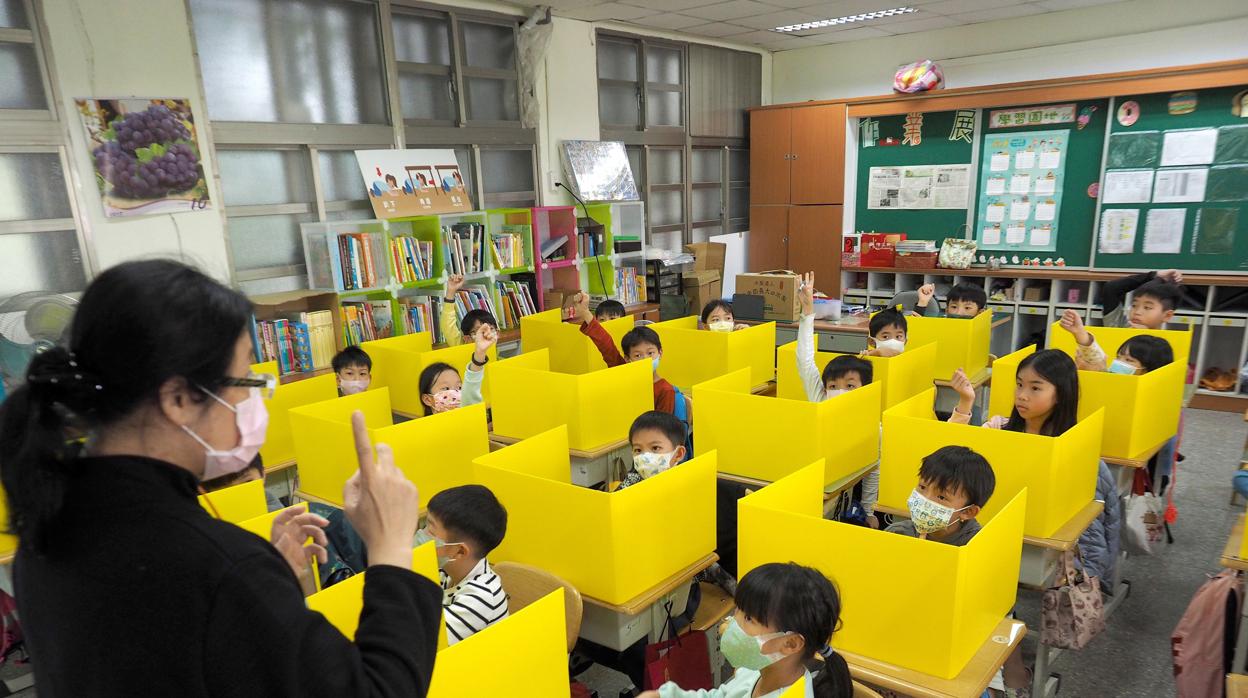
(823, 23)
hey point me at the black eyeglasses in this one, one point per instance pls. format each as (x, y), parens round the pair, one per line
(266, 382)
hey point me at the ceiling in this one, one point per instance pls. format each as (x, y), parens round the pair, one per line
(748, 21)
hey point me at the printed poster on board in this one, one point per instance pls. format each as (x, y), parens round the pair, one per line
(145, 154)
(1020, 192)
(403, 183)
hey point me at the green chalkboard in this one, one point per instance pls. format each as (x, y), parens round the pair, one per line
(1215, 230)
(1077, 216)
(934, 148)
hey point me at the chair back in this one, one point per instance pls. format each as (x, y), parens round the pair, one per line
(525, 584)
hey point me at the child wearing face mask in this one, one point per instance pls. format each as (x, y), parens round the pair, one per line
(454, 330)
(1137, 356)
(353, 368)
(786, 614)
(954, 484)
(840, 375)
(717, 317)
(467, 523)
(441, 388)
(888, 333)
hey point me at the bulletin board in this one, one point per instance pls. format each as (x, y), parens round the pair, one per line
(1187, 197)
(936, 146)
(1080, 169)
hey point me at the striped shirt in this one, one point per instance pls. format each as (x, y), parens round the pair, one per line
(476, 602)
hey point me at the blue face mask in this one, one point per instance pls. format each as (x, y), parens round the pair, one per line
(1122, 368)
(654, 363)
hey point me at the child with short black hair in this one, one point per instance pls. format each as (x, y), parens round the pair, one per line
(717, 317)
(786, 614)
(658, 441)
(954, 484)
(1156, 294)
(609, 309)
(467, 523)
(454, 330)
(887, 333)
(1138, 355)
(639, 344)
(353, 368)
(442, 389)
(965, 300)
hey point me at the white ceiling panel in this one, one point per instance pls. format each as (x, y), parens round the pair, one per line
(609, 11)
(718, 30)
(733, 9)
(669, 21)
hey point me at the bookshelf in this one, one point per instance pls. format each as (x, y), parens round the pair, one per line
(317, 311)
(557, 268)
(514, 282)
(347, 256)
(619, 271)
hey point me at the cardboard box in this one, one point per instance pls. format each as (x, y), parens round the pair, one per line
(779, 292)
(702, 287)
(880, 249)
(708, 256)
(1033, 294)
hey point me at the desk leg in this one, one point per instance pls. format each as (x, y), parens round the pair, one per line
(1042, 684)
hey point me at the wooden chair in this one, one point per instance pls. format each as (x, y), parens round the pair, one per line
(525, 584)
(715, 606)
(861, 691)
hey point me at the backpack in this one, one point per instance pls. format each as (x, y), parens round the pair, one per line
(11, 640)
(1203, 642)
(680, 411)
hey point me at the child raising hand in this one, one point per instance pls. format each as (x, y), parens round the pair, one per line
(1088, 354)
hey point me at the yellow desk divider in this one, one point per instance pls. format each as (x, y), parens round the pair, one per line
(526, 655)
(796, 690)
(237, 503)
(435, 452)
(8, 543)
(570, 350)
(1059, 473)
(601, 542)
(900, 377)
(1141, 412)
(598, 408)
(341, 604)
(692, 356)
(1110, 338)
(398, 362)
(958, 595)
(960, 342)
(279, 445)
(262, 525)
(767, 438)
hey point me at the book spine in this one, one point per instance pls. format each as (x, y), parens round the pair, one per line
(370, 273)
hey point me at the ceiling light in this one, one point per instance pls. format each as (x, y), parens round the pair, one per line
(820, 24)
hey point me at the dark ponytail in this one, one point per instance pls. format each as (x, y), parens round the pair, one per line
(138, 325)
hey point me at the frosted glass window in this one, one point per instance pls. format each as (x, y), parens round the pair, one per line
(663, 65)
(48, 261)
(706, 165)
(738, 202)
(290, 61)
(426, 97)
(265, 177)
(13, 14)
(492, 100)
(266, 241)
(32, 187)
(739, 165)
(489, 46)
(706, 204)
(617, 61)
(507, 170)
(340, 176)
(618, 105)
(634, 163)
(665, 167)
(20, 84)
(420, 39)
(666, 208)
(663, 108)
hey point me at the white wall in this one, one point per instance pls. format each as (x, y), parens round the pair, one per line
(135, 48)
(1131, 35)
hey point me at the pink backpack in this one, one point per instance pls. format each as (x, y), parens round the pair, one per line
(1203, 642)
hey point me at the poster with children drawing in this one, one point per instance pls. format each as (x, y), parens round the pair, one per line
(404, 183)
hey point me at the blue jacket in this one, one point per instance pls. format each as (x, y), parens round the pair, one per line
(1103, 539)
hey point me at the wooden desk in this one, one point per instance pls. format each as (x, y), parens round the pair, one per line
(1124, 469)
(278, 467)
(970, 683)
(575, 453)
(829, 491)
(1230, 553)
(589, 468)
(619, 626)
(1236, 686)
(767, 389)
(977, 380)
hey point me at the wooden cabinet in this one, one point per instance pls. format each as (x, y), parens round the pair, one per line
(769, 156)
(801, 238)
(797, 155)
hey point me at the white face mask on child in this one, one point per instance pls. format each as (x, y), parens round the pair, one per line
(720, 325)
(928, 516)
(352, 387)
(650, 464)
(894, 345)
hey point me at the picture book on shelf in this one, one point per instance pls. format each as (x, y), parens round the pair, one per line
(553, 249)
(412, 259)
(515, 301)
(420, 314)
(354, 267)
(464, 248)
(364, 321)
(508, 247)
(285, 341)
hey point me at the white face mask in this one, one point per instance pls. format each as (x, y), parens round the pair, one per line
(720, 325)
(650, 464)
(833, 392)
(353, 387)
(895, 345)
(424, 536)
(1122, 367)
(929, 516)
(251, 417)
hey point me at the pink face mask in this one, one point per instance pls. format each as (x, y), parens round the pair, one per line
(252, 419)
(445, 401)
(353, 387)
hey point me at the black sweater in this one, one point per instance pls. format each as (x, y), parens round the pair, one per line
(142, 593)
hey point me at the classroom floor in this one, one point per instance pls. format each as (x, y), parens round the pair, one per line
(1132, 657)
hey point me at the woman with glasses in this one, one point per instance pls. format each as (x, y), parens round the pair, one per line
(124, 584)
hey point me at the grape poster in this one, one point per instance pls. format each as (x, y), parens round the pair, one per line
(145, 154)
